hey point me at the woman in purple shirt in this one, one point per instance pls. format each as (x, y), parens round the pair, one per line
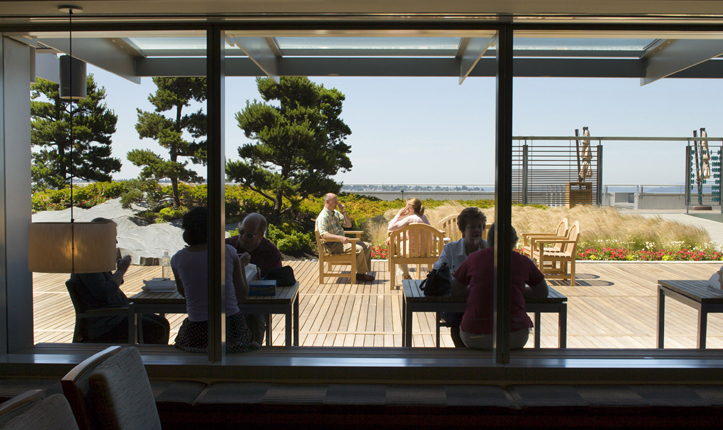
(475, 279)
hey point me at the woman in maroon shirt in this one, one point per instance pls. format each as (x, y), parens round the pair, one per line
(474, 279)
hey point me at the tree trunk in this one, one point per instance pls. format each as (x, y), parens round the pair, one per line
(174, 157)
(278, 200)
(174, 187)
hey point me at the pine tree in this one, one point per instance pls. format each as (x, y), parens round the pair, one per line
(300, 142)
(172, 94)
(93, 125)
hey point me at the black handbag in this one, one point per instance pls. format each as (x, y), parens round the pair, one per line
(438, 282)
(284, 276)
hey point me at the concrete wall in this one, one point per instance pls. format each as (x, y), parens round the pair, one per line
(434, 195)
(16, 281)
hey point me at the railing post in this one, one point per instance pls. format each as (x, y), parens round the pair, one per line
(688, 168)
(525, 176)
(599, 174)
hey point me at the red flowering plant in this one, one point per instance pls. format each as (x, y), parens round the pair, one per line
(379, 252)
(622, 254)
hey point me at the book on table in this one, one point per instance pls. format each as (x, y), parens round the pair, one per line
(262, 287)
(159, 285)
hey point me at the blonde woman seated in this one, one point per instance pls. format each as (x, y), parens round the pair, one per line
(412, 213)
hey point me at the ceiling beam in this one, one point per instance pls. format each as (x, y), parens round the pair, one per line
(424, 67)
(47, 67)
(261, 53)
(474, 50)
(672, 56)
(190, 67)
(103, 53)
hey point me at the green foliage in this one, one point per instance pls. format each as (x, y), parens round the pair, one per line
(132, 196)
(172, 94)
(297, 235)
(93, 125)
(138, 190)
(299, 143)
(289, 238)
(86, 196)
(169, 214)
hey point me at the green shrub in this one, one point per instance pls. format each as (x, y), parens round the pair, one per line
(148, 216)
(131, 196)
(112, 190)
(58, 196)
(169, 214)
(288, 238)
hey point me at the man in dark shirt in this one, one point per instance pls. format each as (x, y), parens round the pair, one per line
(251, 241)
(102, 291)
(254, 248)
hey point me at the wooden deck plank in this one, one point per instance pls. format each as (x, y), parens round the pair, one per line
(613, 305)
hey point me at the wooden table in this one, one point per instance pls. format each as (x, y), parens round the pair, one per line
(286, 302)
(416, 301)
(695, 294)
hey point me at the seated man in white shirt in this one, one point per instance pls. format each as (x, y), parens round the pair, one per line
(330, 223)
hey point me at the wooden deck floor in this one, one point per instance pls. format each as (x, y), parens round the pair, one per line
(613, 305)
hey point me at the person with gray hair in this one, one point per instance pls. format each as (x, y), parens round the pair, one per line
(251, 245)
(475, 280)
(471, 222)
(102, 291)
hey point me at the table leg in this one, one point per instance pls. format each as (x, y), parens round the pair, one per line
(562, 326)
(436, 315)
(408, 326)
(296, 321)
(289, 329)
(139, 321)
(404, 322)
(661, 317)
(702, 326)
(538, 326)
(269, 320)
(132, 324)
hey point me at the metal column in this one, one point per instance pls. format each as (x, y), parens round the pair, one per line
(503, 196)
(215, 76)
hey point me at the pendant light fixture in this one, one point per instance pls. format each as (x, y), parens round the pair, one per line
(58, 247)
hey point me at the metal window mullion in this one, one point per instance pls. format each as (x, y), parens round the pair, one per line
(216, 195)
(503, 197)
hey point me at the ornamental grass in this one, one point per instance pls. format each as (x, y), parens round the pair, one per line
(605, 232)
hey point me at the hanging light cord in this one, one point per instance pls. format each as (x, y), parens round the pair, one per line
(70, 72)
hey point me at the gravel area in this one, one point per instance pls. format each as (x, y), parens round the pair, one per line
(135, 237)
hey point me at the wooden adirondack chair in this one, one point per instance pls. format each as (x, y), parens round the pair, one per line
(414, 244)
(558, 264)
(337, 259)
(529, 239)
(449, 226)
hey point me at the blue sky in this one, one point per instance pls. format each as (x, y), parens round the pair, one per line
(434, 131)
